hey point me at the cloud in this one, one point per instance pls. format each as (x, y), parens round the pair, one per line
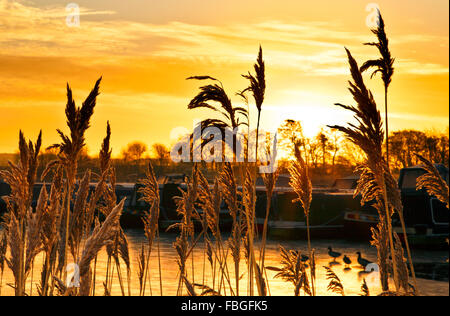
(311, 47)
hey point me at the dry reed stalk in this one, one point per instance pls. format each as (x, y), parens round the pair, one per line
(270, 180)
(76, 220)
(249, 202)
(335, 285)
(216, 94)
(150, 194)
(210, 202)
(49, 232)
(207, 291)
(365, 289)
(378, 183)
(433, 182)
(293, 270)
(34, 230)
(383, 65)
(124, 253)
(106, 188)
(402, 265)
(78, 121)
(302, 186)
(23, 243)
(94, 279)
(189, 287)
(258, 88)
(3, 249)
(186, 208)
(102, 235)
(141, 267)
(381, 242)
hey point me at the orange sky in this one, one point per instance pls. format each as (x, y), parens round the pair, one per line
(145, 49)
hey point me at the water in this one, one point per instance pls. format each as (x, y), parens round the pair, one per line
(351, 278)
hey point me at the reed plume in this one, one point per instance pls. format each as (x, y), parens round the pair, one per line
(381, 241)
(365, 289)
(78, 121)
(186, 208)
(270, 180)
(150, 195)
(258, 88)
(210, 203)
(142, 264)
(3, 248)
(207, 291)
(249, 203)
(383, 65)
(50, 233)
(376, 181)
(22, 235)
(214, 97)
(302, 186)
(293, 270)
(101, 236)
(76, 220)
(231, 196)
(432, 182)
(335, 285)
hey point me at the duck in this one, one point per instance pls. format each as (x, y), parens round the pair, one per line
(333, 254)
(363, 262)
(347, 261)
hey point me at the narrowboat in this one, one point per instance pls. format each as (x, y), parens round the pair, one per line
(426, 218)
(329, 205)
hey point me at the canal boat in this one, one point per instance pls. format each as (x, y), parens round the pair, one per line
(426, 218)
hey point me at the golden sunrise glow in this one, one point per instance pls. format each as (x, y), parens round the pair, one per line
(145, 50)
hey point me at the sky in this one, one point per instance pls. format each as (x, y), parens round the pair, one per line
(145, 49)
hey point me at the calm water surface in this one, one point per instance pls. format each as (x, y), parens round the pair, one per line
(351, 278)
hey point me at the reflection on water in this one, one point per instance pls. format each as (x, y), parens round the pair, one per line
(351, 276)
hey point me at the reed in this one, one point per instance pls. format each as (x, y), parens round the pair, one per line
(335, 284)
(270, 180)
(231, 196)
(78, 121)
(150, 194)
(432, 182)
(186, 208)
(210, 202)
(215, 98)
(301, 183)
(249, 202)
(293, 270)
(365, 289)
(385, 66)
(376, 183)
(3, 248)
(101, 236)
(22, 226)
(258, 88)
(50, 234)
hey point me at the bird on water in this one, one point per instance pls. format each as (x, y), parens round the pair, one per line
(363, 262)
(333, 254)
(347, 261)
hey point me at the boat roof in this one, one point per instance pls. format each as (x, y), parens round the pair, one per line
(440, 167)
